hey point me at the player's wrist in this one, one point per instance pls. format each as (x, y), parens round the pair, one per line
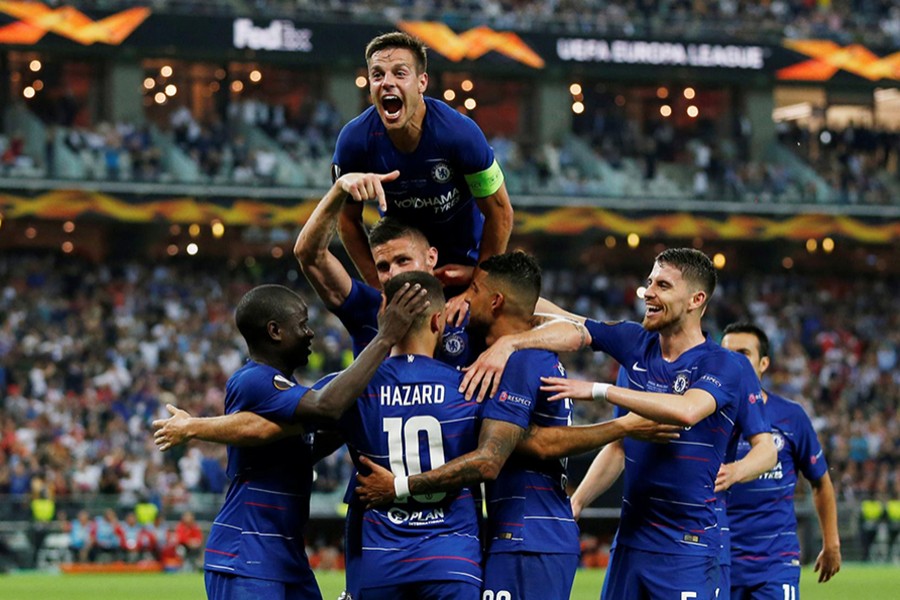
(599, 391)
(401, 487)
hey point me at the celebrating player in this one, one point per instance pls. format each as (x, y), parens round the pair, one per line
(439, 173)
(255, 547)
(765, 551)
(675, 375)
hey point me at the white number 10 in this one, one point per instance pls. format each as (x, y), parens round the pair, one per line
(403, 448)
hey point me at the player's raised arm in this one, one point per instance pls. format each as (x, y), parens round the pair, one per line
(559, 335)
(353, 236)
(496, 442)
(341, 392)
(689, 409)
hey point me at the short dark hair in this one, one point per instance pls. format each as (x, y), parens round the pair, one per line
(694, 266)
(430, 283)
(520, 272)
(399, 39)
(747, 327)
(262, 304)
(389, 229)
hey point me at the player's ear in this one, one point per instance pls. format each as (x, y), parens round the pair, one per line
(274, 330)
(423, 82)
(431, 257)
(437, 321)
(763, 364)
(497, 302)
(698, 300)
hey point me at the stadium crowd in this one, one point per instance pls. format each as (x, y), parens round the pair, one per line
(90, 354)
(844, 21)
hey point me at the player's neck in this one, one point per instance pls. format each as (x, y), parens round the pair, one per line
(422, 345)
(276, 362)
(506, 325)
(406, 140)
(676, 340)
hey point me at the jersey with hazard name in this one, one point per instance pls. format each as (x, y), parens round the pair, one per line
(412, 419)
(668, 505)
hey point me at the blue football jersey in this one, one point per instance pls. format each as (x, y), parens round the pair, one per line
(431, 192)
(258, 533)
(528, 507)
(412, 419)
(359, 315)
(669, 500)
(761, 512)
(750, 421)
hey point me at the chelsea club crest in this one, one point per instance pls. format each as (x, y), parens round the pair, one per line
(452, 344)
(441, 172)
(680, 384)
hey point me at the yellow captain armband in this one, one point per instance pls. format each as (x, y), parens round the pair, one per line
(484, 183)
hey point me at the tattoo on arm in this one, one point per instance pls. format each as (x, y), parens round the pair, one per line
(497, 441)
(583, 331)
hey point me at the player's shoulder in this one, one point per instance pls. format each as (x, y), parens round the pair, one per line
(534, 361)
(448, 121)
(357, 131)
(258, 378)
(786, 408)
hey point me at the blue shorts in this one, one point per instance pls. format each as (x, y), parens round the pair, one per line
(527, 576)
(771, 590)
(638, 574)
(431, 590)
(223, 586)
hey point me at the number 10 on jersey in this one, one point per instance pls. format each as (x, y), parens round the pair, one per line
(404, 448)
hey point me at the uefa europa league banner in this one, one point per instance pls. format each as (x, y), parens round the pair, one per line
(49, 27)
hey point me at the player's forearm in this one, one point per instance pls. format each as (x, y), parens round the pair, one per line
(318, 232)
(558, 335)
(826, 510)
(686, 410)
(496, 442)
(353, 236)
(761, 458)
(238, 429)
(498, 223)
(603, 472)
(341, 392)
(559, 442)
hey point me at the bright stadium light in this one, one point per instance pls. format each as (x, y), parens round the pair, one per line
(662, 93)
(192, 249)
(160, 98)
(787, 262)
(277, 252)
(31, 233)
(172, 250)
(255, 76)
(35, 66)
(28, 92)
(689, 93)
(811, 245)
(67, 247)
(640, 292)
(171, 90)
(575, 89)
(218, 229)
(361, 82)
(68, 226)
(194, 230)
(470, 103)
(578, 107)
(719, 261)
(467, 85)
(693, 111)
(449, 95)
(166, 71)
(828, 245)
(38, 85)
(149, 83)
(665, 110)
(610, 241)
(634, 240)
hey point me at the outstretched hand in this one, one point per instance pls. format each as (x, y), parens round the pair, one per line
(482, 377)
(367, 186)
(395, 318)
(567, 388)
(171, 432)
(376, 488)
(727, 476)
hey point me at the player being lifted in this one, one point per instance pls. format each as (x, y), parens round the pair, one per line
(438, 171)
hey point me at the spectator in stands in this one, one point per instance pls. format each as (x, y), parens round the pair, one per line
(189, 541)
(108, 536)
